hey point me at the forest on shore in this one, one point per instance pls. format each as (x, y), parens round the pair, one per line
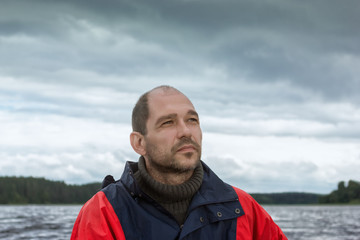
(30, 190)
(343, 194)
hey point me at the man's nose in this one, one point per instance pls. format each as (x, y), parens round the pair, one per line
(183, 130)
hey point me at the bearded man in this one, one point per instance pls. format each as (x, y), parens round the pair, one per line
(170, 193)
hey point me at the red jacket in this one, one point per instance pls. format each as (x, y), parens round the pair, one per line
(218, 211)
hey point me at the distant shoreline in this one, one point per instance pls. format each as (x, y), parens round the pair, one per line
(39, 191)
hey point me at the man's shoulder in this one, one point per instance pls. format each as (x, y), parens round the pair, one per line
(97, 201)
(249, 204)
(242, 194)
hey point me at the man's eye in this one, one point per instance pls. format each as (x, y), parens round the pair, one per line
(193, 120)
(167, 122)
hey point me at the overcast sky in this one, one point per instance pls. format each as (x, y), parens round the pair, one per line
(276, 84)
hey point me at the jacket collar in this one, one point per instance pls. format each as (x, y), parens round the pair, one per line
(214, 201)
(212, 190)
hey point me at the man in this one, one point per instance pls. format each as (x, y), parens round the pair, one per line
(170, 193)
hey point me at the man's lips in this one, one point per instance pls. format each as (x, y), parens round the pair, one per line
(187, 148)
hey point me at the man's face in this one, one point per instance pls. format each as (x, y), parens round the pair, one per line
(173, 139)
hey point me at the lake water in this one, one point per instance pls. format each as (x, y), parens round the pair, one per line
(33, 222)
(317, 222)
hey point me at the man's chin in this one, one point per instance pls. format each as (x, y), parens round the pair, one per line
(187, 164)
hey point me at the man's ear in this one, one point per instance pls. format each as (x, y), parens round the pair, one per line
(137, 142)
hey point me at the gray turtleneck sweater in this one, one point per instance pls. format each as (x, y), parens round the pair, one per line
(174, 198)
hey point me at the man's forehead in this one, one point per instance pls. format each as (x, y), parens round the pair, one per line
(166, 95)
(162, 92)
(160, 99)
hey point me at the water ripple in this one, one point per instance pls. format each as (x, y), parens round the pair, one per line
(37, 221)
(32, 222)
(318, 222)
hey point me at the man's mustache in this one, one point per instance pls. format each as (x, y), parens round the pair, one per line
(185, 141)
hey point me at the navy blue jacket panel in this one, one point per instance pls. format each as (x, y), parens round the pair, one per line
(212, 212)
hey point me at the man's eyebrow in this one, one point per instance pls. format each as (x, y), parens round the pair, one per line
(174, 115)
(193, 112)
(162, 118)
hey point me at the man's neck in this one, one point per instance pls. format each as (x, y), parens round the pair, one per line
(174, 197)
(170, 178)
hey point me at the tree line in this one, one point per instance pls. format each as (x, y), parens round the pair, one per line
(286, 198)
(343, 194)
(30, 190)
(349, 194)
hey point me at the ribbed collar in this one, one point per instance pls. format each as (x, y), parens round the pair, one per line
(164, 193)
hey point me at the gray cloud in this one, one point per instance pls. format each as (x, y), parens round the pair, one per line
(300, 176)
(313, 46)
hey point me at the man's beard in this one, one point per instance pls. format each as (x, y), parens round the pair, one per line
(167, 162)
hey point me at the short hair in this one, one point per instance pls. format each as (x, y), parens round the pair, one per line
(140, 113)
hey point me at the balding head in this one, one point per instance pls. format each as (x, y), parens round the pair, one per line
(141, 112)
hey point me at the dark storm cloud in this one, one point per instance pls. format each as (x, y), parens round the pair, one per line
(312, 45)
(278, 45)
